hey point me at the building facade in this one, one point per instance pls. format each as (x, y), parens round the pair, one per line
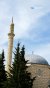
(40, 69)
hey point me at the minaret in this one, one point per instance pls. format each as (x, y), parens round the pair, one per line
(10, 46)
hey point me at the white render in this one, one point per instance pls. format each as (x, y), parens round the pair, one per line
(10, 46)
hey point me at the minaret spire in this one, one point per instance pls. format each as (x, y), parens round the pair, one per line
(12, 20)
(10, 46)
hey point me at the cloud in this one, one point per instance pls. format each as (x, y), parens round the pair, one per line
(28, 18)
(31, 25)
(24, 17)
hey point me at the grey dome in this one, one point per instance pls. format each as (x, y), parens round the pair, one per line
(36, 59)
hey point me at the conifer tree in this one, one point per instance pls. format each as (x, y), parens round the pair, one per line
(25, 77)
(19, 77)
(2, 70)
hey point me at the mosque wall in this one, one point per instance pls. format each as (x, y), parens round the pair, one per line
(42, 73)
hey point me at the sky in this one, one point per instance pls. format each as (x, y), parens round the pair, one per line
(31, 25)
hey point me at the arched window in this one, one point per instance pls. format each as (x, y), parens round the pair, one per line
(39, 72)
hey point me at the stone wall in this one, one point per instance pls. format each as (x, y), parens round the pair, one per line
(42, 73)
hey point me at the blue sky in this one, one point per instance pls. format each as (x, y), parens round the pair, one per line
(32, 25)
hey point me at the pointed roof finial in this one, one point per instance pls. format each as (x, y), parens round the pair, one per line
(12, 20)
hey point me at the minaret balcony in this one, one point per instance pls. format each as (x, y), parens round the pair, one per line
(11, 34)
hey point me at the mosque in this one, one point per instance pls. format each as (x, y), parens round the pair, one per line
(38, 66)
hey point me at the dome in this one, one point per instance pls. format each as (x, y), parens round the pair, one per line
(36, 59)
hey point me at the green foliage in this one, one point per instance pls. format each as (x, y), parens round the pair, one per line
(19, 77)
(2, 70)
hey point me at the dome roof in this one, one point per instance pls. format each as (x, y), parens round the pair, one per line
(36, 59)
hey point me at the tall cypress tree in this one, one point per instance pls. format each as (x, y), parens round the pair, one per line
(27, 81)
(2, 70)
(19, 77)
(25, 77)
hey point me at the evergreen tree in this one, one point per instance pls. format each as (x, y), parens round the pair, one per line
(19, 77)
(25, 77)
(2, 70)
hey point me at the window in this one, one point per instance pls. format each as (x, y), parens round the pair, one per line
(39, 72)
